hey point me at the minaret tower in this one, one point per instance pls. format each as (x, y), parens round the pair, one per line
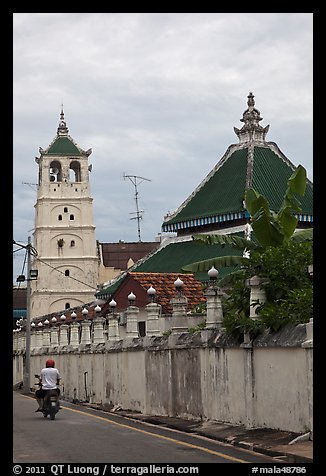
(64, 235)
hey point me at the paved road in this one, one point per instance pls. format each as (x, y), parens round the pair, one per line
(83, 435)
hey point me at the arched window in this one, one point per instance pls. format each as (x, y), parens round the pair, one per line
(55, 171)
(65, 209)
(74, 171)
(67, 272)
(60, 217)
(67, 305)
(72, 217)
(72, 243)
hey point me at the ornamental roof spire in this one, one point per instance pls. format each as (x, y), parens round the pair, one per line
(251, 130)
(62, 129)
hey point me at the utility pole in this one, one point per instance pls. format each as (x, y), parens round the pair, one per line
(27, 367)
(133, 179)
(31, 276)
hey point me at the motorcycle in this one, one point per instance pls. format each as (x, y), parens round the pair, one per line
(51, 404)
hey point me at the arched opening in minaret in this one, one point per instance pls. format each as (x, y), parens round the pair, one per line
(74, 172)
(55, 172)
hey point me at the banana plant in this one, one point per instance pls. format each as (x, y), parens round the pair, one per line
(270, 228)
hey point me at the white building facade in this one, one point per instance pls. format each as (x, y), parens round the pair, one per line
(64, 235)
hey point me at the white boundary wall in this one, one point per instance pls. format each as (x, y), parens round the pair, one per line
(267, 383)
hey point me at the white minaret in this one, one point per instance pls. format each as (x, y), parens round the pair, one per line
(64, 235)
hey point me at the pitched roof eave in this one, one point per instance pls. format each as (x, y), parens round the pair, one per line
(206, 220)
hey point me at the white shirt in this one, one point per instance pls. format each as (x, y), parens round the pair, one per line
(49, 377)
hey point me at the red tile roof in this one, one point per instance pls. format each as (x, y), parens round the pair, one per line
(163, 283)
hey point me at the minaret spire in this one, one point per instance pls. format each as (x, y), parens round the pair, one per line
(251, 130)
(62, 129)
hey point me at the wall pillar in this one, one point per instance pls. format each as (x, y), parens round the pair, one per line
(54, 336)
(23, 338)
(179, 317)
(113, 327)
(132, 322)
(74, 334)
(15, 340)
(19, 340)
(63, 335)
(257, 294)
(46, 338)
(308, 344)
(152, 325)
(214, 313)
(249, 386)
(98, 336)
(39, 339)
(33, 340)
(85, 332)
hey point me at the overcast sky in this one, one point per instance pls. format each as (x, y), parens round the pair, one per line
(154, 95)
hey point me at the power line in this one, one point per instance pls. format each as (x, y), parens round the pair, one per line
(71, 277)
(34, 252)
(32, 185)
(27, 247)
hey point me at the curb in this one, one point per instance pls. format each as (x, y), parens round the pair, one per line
(283, 456)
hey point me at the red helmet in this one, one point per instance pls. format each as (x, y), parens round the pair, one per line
(50, 363)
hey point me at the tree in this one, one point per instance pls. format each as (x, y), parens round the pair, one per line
(288, 287)
(277, 252)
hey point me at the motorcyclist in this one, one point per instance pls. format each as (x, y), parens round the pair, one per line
(49, 380)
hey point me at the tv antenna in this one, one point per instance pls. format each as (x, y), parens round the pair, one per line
(136, 180)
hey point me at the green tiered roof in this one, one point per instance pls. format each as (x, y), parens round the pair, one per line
(171, 258)
(253, 163)
(63, 146)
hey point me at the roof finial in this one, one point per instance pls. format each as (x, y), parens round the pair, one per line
(62, 129)
(251, 130)
(62, 114)
(251, 101)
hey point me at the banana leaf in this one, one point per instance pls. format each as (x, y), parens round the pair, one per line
(303, 235)
(219, 262)
(236, 242)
